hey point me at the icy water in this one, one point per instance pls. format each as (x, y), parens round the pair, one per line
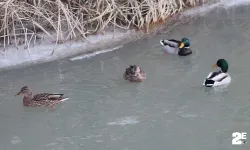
(169, 111)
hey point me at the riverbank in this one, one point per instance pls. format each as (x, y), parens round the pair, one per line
(46, 50)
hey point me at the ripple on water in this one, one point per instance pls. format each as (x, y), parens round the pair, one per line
(125, 121)
(15, 140)
(51, 144)
(187, 115)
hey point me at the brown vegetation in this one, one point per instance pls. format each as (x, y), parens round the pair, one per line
(27, 20)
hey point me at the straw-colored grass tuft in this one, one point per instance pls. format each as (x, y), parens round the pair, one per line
(23, 22)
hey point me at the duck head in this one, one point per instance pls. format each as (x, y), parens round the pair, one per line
(26, 91)
(184, 43)
(222, 64)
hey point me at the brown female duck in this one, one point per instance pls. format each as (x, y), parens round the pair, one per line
(134, 74)
(40, 100)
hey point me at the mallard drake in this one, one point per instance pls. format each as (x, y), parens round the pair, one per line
(40, 100)
(219, 78)
(182, 48)
(134, 74)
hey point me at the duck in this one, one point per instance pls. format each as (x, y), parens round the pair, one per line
(134, 73)
(219, 78)
(172, 46)
(40, 100)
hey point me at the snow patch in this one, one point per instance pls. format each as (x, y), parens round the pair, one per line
(125, 121)
(39, 53)
(206, 8)
(95, 53)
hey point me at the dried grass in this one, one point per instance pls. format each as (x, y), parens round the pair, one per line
(23, 22)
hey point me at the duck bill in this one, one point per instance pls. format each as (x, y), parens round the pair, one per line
(214, 65)
(18, 93)
(181, 45)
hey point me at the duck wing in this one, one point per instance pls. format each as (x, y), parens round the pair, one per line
(219, 77)
(171, 43)
(213, 74)
(215, 78)
(56, 96)
(173, 40)
(48, 96)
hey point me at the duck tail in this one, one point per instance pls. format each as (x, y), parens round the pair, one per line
(209, 83)
(163, 42)
(64, 99)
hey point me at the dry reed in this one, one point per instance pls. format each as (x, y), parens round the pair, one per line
(23, 22)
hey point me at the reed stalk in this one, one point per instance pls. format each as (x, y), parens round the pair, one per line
(63, 20)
